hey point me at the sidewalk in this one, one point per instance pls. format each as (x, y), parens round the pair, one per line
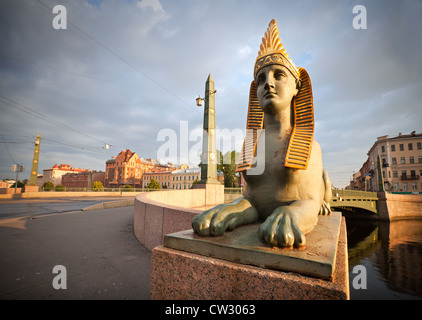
(102, 257)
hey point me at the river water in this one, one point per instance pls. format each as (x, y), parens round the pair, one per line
(391, 254)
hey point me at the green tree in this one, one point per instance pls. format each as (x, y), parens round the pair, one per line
(20, 185)
(48, 186)
(60, 187)
(127, 188)
(194, 182)
(227, 164)
(153, 184)
(97, 186)
(228, 167)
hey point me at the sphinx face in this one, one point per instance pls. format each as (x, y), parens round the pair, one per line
(276, 87)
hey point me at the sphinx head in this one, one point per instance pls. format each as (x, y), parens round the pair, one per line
(276, 76)
(276, 88)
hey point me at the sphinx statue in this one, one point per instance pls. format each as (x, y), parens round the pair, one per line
(292, 188)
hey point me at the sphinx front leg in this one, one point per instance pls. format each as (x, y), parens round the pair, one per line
(224, 217)
(287, 225)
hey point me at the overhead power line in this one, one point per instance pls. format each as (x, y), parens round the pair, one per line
(15, 142)
(71, 73)
(5, 145)
(120, 58)
(39, 115)
(73, 146)
(47, 140)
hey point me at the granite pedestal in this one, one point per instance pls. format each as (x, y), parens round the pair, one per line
(237, 266)
(31, 188)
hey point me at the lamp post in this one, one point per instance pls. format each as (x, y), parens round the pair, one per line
(208, 157)
(379, 175)
(199, 101)
(381, 187)
(19, 167)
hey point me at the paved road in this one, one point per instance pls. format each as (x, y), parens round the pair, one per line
(103, 259)
(32, 207)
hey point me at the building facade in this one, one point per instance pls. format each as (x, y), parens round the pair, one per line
(124, 169)
(83, 179)
(128, 169)
(400, 162)
(164, 178)
(56, 173)
(183, 179)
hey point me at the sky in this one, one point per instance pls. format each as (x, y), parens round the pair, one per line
(126, 74)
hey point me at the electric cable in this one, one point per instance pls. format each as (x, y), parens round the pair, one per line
(71, 73)
(39, 115)
(5, 144)
(120, 58)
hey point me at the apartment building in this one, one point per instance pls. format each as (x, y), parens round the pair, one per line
(55, 173)
(129, 168)
(183, 179)
(164, 178)
(83, 179)
(400, 162)
(124, 169)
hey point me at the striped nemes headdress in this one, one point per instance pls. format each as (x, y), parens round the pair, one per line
(300, 144)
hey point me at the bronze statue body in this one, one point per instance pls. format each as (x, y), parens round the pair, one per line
(287, 198)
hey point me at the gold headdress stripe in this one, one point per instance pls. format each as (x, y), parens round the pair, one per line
(300, 144)
(254, 123)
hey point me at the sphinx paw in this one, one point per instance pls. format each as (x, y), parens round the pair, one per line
(281, 230)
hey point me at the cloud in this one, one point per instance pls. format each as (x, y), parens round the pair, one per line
(124, 70)
(245, 51)
(154, 4)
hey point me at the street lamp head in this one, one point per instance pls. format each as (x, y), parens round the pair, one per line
(199, 101)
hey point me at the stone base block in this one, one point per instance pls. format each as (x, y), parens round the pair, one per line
(31, 188)
(214, 192)
(179, 275)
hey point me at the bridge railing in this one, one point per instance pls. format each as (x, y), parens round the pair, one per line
(339, 193)
(341, 198)
(99, 190)
(353, 200)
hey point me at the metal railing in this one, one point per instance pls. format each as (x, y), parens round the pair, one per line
(407, 177)
(337, 193)
(229, 191)
(66, 189)
(233, 191)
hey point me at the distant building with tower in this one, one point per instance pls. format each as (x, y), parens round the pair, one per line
(127, 168)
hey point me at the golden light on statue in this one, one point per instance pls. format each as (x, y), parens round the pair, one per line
(273, 58)
(199, 101)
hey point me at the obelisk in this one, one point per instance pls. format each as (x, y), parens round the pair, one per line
(209, 154)
(36, 157)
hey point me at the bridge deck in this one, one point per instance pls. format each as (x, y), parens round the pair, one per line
(353, 199)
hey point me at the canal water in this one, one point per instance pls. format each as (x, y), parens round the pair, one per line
(391, 256)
